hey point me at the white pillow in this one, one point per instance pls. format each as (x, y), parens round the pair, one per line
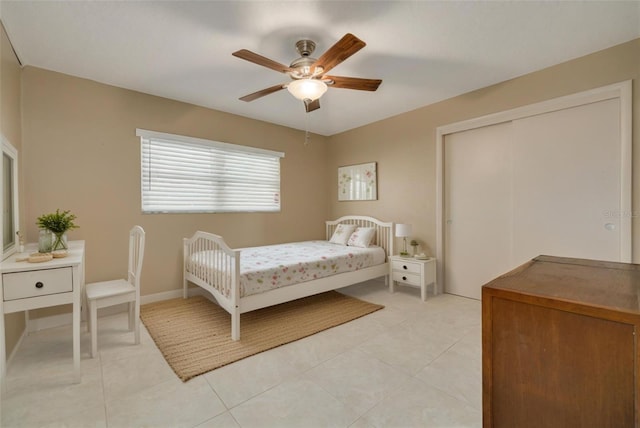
(362, 237)
(342, 233)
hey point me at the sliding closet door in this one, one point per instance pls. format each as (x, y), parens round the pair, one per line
(478, 216)
(567, 181)
(544, 184)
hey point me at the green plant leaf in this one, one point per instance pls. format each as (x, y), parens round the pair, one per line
(58, 222)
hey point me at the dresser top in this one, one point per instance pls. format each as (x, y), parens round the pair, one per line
(75, 257)
(596, 283)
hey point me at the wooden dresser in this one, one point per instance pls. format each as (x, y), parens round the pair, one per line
(559, 345)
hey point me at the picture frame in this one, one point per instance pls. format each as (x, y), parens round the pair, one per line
(358, 182)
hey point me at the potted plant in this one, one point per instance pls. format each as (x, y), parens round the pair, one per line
(414, 244)
(57, 223)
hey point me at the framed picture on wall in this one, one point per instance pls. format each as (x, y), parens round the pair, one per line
(358, 182)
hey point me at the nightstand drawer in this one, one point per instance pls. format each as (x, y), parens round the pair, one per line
(407, 278)
(21, 285)
(406, 267)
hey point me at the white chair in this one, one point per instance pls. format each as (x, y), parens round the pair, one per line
(109, 293)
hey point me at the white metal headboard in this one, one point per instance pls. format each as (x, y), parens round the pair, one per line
(384, 230)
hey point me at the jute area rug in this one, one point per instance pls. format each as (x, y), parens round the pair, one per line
(194, 334)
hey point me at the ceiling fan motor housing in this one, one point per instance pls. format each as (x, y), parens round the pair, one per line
(302, 66)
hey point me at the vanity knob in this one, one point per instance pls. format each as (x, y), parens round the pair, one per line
(39, 284)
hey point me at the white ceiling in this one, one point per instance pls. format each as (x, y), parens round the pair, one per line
(423, 51)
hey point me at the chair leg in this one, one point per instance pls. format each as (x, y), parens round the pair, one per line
(131, 315)
(136, 322)
(87, 314)
(93, 314)
(85, 310)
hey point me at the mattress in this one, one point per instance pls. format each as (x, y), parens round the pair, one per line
(273, 266)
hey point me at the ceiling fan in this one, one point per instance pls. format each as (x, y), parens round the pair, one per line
(309, 81)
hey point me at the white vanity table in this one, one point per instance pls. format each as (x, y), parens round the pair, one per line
(27, 286)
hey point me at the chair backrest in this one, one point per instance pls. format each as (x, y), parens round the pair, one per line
(136, 254)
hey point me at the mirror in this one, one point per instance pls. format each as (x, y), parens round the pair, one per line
(358, 182)
(9, 198)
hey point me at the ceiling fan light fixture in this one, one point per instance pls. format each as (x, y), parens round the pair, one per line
(307, 89)
(308, 79)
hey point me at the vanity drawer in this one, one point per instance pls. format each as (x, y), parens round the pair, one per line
(407, 278)
(21, 285)
(406, 267)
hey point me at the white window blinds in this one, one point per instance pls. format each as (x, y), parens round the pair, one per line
(191, 175)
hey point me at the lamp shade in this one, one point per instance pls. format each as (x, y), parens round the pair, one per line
(403, 230)
(307, 89)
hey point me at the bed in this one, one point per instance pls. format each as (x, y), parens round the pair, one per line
(243, 280)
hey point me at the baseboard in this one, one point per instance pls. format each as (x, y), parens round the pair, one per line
(197, 291)
(52, 321)
(157, 297)
(37, 324)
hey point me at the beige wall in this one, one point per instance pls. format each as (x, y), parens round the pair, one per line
(11, 129)
(81, 153)
(404, 146)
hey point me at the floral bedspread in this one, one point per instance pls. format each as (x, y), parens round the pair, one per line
(273, 266)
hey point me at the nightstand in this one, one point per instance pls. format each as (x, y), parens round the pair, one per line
(413, 272)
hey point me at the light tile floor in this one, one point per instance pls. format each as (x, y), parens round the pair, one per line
(412, 364)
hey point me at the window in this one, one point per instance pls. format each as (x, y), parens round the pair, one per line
(191, 175)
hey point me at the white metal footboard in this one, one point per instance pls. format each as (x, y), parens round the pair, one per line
(212, 265)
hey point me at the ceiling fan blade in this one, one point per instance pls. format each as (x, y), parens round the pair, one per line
(262, 93)
(352, 83)
(261, 60)
(343, 49)
(311, 105)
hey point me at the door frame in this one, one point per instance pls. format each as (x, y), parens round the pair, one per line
(621, 91)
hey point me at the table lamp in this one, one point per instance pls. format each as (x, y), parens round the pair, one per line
(402, 231)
